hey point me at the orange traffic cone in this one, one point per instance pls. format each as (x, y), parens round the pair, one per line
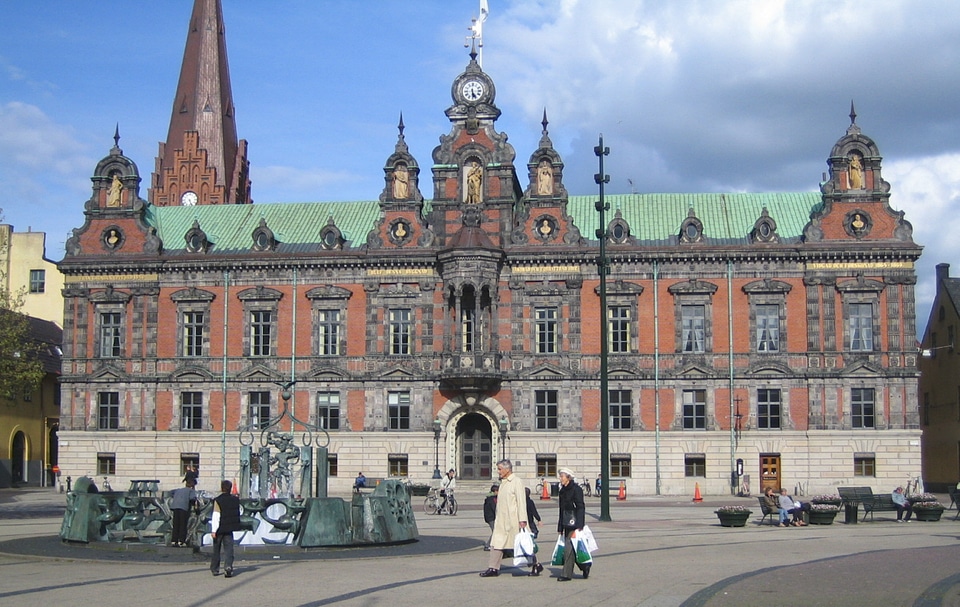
(545, 494)
(696, 494)
(236, 490)
(623, 491)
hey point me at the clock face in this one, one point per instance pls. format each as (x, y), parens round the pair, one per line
(472, 90)
(188, 199)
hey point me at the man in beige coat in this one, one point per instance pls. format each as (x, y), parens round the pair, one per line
(511, 516)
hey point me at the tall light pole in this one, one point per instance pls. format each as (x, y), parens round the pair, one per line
(436, 448)
(504, 427)
(603, 268)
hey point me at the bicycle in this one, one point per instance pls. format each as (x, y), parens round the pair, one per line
(539, 489)
(433, 501)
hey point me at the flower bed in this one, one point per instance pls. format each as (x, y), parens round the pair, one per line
(826, 499)
(822, 514)
(928, 510)
(733, 516)
(922, 497)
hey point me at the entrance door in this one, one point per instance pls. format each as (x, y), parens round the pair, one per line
(769, 471)
(474, 445)
(17, 457)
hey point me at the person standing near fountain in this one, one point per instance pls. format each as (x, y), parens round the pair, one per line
(180, 502)
(225, 520)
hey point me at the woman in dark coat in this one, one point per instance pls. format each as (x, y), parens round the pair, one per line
(571, 519)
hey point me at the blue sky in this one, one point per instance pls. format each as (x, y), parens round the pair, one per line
(691, 96)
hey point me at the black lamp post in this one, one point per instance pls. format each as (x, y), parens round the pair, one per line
(504, 427)
(603, 268)
(436, 448)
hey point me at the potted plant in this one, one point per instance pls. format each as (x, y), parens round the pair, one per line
(822, 513)
(921, 497)
(419, 489)
(733, 516)
(833, 499)
(927, 510)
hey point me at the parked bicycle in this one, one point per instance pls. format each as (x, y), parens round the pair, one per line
(539, 489)
(435, 503)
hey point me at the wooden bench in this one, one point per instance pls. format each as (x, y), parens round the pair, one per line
(773, 513)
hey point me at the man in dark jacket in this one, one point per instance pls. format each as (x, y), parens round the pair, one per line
(225, 520)
(490, 512)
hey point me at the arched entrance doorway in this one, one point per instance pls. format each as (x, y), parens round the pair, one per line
(475, 447)
(17, 455)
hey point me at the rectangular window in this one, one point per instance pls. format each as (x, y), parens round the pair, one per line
(328, 332)
(862, 407)
(695, 465)
(258, 413)
(546, 409)
(619, 465)
(38, 281)
(861, 327)
(621, 410)
(545, 326)
(108, 410)
(328, 410)
(110, 330)
(106, 464)
(189, 461)
(400, 331)
(619, 318)
(333, 465)
(864, 464)
(398, 405)
(193, 333)
(694, 409)
(467, 328)
(191, 411)
(768, 328)
(768, 408)
(397, 464)
(692, 320)
(261, 324)
(547, 465)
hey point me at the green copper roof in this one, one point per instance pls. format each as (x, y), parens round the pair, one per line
(230, 226)
(653, 218)
(725, 217)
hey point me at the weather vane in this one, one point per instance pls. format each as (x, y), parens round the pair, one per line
(476, 32)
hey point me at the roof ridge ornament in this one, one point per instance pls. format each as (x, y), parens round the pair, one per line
(853, 129)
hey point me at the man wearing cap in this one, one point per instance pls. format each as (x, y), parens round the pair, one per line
(511, 518)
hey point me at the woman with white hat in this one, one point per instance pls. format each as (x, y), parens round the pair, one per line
(571, 520)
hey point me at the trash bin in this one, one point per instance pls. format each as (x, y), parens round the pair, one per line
(850, 512)
(554, 489)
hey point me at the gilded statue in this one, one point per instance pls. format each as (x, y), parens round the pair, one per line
(856, 173)
(544, 179)
(113, 196)
(474, 183)
(401, 182)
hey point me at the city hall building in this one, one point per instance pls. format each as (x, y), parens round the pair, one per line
(456, 317)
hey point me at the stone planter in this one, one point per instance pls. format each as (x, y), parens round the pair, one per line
(822, 517)
(420, 490)
(733, 519)
(928, 514)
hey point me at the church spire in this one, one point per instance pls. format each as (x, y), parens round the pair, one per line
(203, 125)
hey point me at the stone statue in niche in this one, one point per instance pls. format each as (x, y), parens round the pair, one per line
(544, 178)
(113, 196)
(474, 183)
(856, 172)
(401, 182)
(112, 238)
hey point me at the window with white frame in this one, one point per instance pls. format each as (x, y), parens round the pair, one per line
(38, 281)
(768, 327)
(692, 327)
(694, 409)
(768, 408)
(862, 408)
(194, 327)
(191, 410)
(328, 410)
(258, 409)
(860, 327)
(400, 331)
(108, 410)
(328, 332)
(111, 334)
(398, 410)
(619, 327)
(546, 326)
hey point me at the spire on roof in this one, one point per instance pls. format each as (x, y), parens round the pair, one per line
(853, 129)
(204, 104)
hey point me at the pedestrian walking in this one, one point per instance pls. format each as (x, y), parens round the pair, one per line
(225, 520)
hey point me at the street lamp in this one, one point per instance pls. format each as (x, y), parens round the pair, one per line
(929, 352)
(436, 448)
(504, 427)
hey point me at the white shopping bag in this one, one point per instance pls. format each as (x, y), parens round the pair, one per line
(588, 540)
(523, 549)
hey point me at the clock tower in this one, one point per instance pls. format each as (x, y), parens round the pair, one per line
(474, 179)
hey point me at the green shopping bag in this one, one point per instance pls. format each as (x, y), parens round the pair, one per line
(583, 555)
(558, 552)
